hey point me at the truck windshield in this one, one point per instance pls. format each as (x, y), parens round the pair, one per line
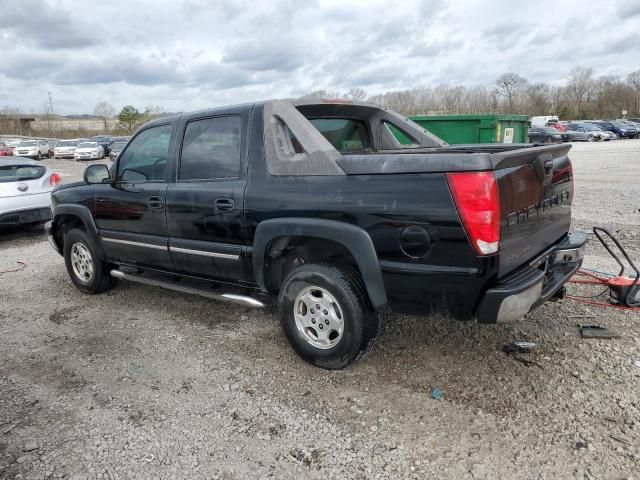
(345, 134)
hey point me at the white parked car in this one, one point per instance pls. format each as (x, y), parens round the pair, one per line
(89, 151)
(65, 149)
(32, 149)
(25, 191)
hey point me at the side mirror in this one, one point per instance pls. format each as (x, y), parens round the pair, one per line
(96, 173)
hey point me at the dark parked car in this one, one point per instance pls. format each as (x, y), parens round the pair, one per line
(620, 129)
(316, 207)
(52, 146)
(104, 141)
(633, 124)
(545, 135)
(116, 148)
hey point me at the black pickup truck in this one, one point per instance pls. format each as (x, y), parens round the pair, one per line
(316, 206)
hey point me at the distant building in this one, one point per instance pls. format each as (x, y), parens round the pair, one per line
(71, 122)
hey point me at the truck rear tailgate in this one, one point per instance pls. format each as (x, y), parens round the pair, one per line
(535, 186)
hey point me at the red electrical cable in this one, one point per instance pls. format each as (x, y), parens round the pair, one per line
(597, 280)
(599, 304)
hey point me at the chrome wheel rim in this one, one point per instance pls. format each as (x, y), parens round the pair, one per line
(82, 262)
(319, 318)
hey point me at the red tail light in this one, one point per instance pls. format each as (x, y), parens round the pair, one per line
(478, 204)
(54, 179)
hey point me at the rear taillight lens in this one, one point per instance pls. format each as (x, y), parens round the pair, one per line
(54, 179)
(478, 204)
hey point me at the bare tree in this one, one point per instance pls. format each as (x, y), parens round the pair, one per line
(322, 94)
(105, 111)
(357, 94)
(580, 84)
(537, 99)
(633, 79)
(48, 127)
(10, 120)
(154, 111)
(510, 85)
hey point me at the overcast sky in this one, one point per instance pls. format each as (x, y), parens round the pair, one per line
(192, 54)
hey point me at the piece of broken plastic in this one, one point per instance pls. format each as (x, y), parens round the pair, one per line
(596, 331)
(436, 393)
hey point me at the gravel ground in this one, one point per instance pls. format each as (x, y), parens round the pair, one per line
(142, 383)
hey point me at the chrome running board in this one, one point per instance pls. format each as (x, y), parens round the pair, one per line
(224, 297)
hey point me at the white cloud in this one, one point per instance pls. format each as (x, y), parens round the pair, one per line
(195, 53)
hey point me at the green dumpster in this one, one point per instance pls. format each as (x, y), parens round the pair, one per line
(455, 129)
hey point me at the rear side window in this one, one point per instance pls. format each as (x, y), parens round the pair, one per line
(211, 149)
(402, 137)
(20, 173)
(345, 134)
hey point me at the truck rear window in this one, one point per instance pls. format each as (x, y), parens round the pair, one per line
(20, 173)
(345, 134)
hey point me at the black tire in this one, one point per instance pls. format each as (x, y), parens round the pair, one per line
(360, 322)
(590, 138)
(100, 281)
(39, 157)
(547, 140)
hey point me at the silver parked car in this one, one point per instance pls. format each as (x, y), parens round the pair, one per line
(584, 132)
(25, 191)
(606, 134)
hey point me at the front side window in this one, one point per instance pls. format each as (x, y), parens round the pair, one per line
(345, 134)
(211, 149)
(146, 157)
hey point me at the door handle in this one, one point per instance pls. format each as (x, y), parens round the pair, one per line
(155, 202)
(223, 205)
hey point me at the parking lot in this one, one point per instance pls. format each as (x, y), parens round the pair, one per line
(146, 383)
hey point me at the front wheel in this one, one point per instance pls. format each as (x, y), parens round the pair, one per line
(88, 273)
(590, 138)
(326, 315)
(547, 140)
(39, 156)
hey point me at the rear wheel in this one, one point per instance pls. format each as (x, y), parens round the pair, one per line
(88, 273)
(326, 316)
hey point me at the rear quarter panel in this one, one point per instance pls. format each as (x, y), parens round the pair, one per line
(383, 205)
